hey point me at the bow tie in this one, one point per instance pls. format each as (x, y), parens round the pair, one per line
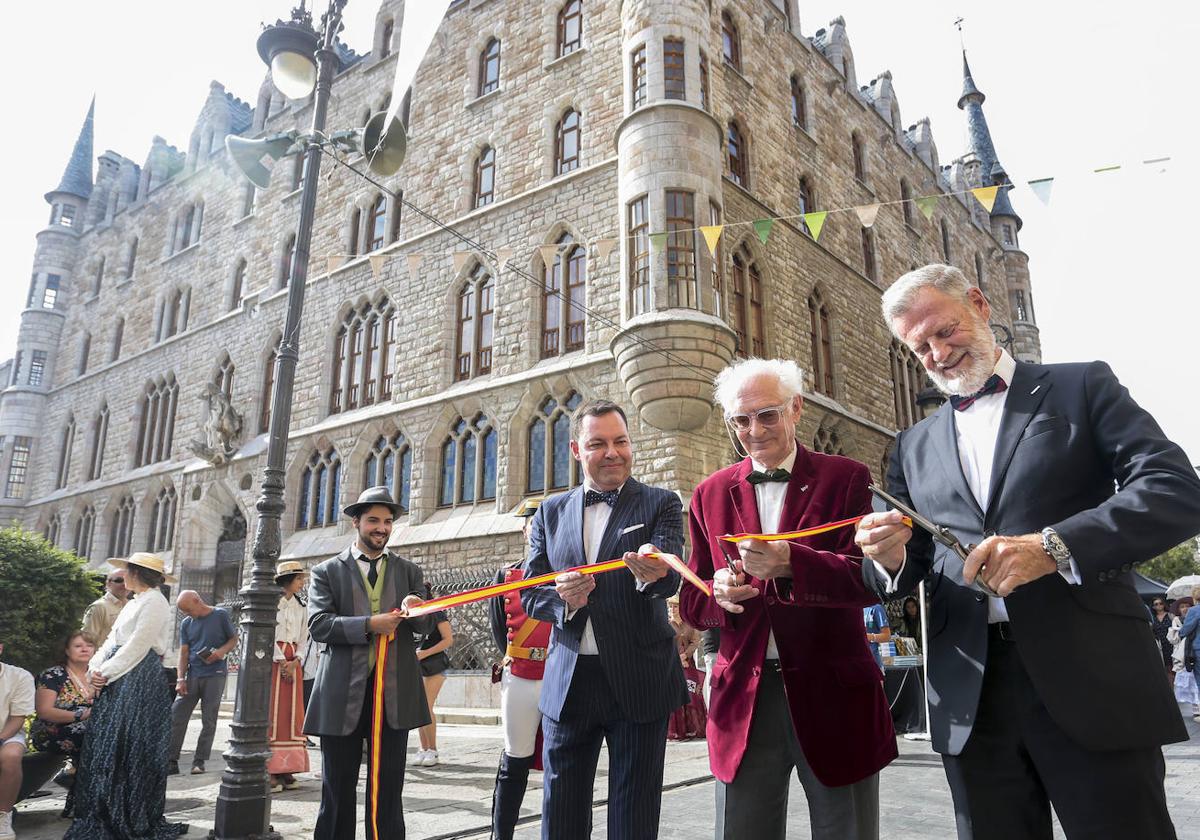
(994, 385)
(757, 477)
(609, 497)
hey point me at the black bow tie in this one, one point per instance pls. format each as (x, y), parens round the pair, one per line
(757, 477)
(609, 497)
(994, 385)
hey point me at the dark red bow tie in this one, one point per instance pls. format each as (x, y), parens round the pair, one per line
(994, 385)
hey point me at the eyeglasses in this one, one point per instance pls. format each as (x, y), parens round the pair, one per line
(766, 417)
(116, 580)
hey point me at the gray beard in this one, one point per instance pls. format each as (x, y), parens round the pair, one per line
(974, 377)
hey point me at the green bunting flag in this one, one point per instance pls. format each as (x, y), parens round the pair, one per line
(926, 205)
(658, 241)
(763, 228)
(814, 222)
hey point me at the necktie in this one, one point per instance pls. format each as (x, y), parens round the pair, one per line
(609, 497)
(757, 477)
(373, 572)
(994, 385)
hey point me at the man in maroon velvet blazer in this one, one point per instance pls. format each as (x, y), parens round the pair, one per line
(795, 685)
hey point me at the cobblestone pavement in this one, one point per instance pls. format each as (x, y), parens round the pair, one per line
(453, 800)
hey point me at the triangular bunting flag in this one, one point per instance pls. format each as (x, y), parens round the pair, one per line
(763, 228)
(1113, 168)
(414, 262)
(604, 247)
(867, 214)
(549, 254)
(986, 196)
(657, 241)
(814, 222)
(926, 205)
(377, 261)
(1041, 188)
(332, 262)
(712, 235)
(503, 255)
(460, 259)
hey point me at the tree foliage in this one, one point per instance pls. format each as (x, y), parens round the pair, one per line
(43, 593)
(1173, 563)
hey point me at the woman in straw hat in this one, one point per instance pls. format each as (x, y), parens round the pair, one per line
(121, 790)
(285, 730)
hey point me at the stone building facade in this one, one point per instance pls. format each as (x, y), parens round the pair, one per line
(133, 415)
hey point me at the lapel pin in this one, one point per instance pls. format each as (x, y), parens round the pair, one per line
(803, 487)
(1035, 390)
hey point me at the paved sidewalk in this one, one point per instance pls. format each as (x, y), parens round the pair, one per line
(453, 800)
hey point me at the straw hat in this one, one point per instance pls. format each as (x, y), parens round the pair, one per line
(144, 560)
(288, 567)
(528, 507)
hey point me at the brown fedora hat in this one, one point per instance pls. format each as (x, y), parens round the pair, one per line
(370, 497)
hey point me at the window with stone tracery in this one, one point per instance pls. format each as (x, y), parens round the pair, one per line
(320, 487)
(468, 462)
(551, 466)
(362, 357)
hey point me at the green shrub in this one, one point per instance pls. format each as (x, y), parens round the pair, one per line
(43, 593)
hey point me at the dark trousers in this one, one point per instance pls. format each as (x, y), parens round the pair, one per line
(207, 691)
(571, 748)
(1018, 762)
(341, 759)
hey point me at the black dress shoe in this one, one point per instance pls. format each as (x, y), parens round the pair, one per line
(172, 768)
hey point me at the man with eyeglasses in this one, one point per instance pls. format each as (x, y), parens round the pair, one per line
(794, 687)
(102, 613)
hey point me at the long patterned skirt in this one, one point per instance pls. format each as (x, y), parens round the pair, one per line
(286, 729)
(121, 788)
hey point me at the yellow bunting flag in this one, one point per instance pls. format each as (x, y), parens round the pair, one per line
(1041, 188)
(460, 259)
(986, 196)
(658, 241)
(866, 214)
(926, 205)
(763, 228)
(332, 262)
(503, 255)
(549, 254)
(712, 235)
(604, 247)
(814, 222)
(377, 261)
(414, 262)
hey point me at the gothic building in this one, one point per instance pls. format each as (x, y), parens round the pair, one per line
(134, 411)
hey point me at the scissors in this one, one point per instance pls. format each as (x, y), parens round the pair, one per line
(940, 533)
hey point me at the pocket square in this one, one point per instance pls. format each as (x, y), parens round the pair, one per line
(633, 528)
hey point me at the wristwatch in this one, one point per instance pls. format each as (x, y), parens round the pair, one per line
(1053, 545)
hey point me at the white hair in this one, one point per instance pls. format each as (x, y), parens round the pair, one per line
(900, 295)
(731, 379)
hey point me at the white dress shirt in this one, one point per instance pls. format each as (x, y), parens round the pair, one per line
(595, 520)
(291, 626)
(769, 497)
(143, 625)
(364, 563)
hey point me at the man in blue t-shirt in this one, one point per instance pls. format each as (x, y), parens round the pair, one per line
(878, 629)
(205, 637)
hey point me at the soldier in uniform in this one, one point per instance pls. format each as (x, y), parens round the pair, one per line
(525, 642)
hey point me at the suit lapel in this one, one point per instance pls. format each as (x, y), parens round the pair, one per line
(388, 597)
(626, 502)
(358, 586)
(797, 497)
(573, 526)
(945, 444)
(745, 504)
(1029, 387)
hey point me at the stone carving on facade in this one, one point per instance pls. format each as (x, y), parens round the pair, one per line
(222, 428)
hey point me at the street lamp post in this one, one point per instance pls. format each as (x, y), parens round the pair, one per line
(244, 803)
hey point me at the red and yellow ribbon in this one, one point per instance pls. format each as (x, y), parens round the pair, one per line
(807, 532)
(378, 712)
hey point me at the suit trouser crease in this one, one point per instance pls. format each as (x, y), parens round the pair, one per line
(208, 692)
(755, 803)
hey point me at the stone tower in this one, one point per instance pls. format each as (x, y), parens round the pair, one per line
(1005, 223)
(34, 368)
(669, 152)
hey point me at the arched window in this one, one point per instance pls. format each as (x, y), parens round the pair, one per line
(223, 380)
(161, 535)
(473, 341)
(860, 157)
(870, 265)
(320, 487)
(485, 177)
(173, 313)
(570, 27)
(703, 80)
(746, 303)
(66, 447)
(189, 225)
(355, 231)
(980, 281)
(639, 256)
(908, 378)
(821, 335)
(156, 424)
(98, 280)
(799, 106)
(99, 439)
(945, 242)
(406, 108)
(737, 154)
(563, 285)
(468, 462)
(731, 46)
(716, 264)
(385, 39)
(551, 466)
(85, 528)
(289, 257)
(237, 288)
(54, 528)
(376, 224)
(806, 202)
(566, 142)
(268, 389)
(674, 77)
(637, 76)
(681, 250)
(389, 464)
(120, 529)
(297, 172)
(489, 68)
(248, 196)
(362, 357)
(85, 350)
(118, 336)
(827, 441)
(1021, 309)
(132, 258)
(906, 203)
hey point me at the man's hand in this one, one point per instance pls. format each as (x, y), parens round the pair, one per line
(729, 588)
(181, 686)
(1005, 563)
(574, 588)
(213, 657)
(882, 537)
(765, 560)
(384, 624)
(646, 569)
(99, 680)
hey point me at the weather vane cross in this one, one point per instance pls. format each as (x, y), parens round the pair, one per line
(958, 22)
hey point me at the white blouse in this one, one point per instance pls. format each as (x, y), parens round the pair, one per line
(291, 626)
(143, 625)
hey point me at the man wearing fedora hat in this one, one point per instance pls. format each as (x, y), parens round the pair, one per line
(363, 593)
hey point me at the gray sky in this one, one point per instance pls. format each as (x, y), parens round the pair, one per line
(1112, 259)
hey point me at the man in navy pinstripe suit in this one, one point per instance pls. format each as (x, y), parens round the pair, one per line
(613, 674)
